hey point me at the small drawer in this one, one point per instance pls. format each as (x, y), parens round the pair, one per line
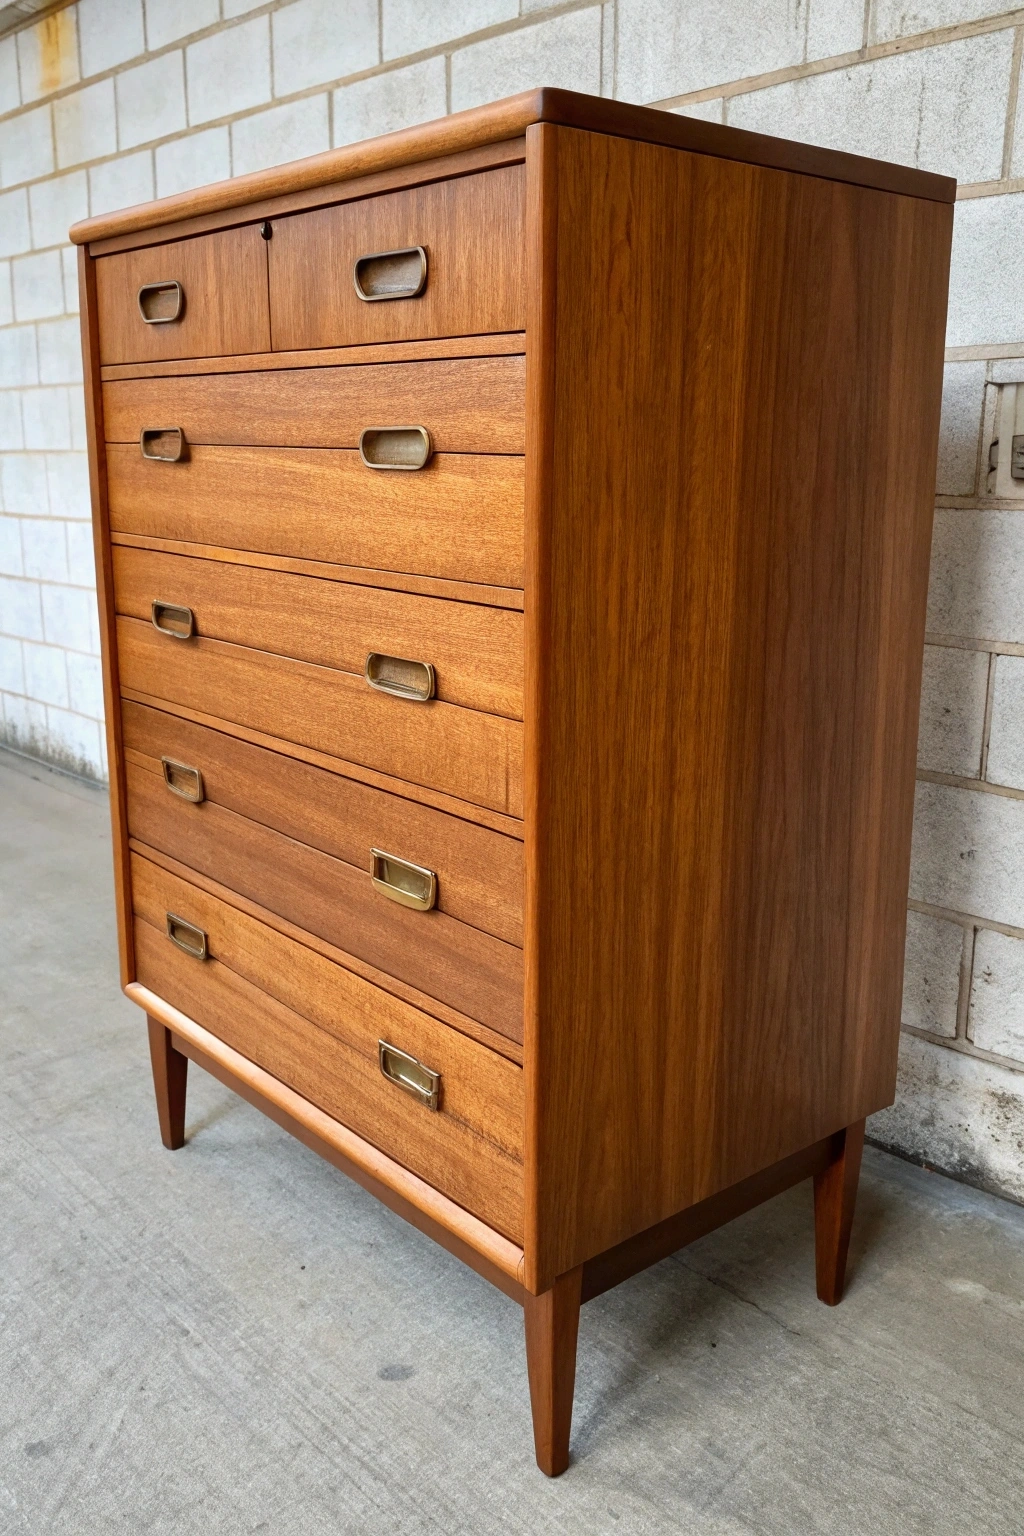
(461, 752)
(445, 259)
(193, 298)
(473, 972)
(462, 653)
(439, 1103)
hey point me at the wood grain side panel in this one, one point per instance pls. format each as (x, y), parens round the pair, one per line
(461, 518)
(469, 405)
(471, 970)
(225, 310)
(479, 872)
(469, 1149)
(459, 751)
(476, 652)
(471, 228)
(735, 578)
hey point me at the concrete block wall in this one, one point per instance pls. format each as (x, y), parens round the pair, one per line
(109, 102)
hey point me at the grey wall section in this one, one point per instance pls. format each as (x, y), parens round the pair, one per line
(110, 102)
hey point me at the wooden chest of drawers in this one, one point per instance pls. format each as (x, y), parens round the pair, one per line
(512, 540)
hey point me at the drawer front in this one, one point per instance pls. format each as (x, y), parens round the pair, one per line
(316, 1027)
(471, 233)
(476, 652)
(468, 405)
(460, 518)
(460, 966)
(222, 303)
(461, 752)
(479, 872)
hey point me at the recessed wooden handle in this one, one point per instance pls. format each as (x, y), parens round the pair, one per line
(395, 447)
(161, 303)
(187, 936)
(409, 884)
(391, 274)
(164, 445)
(174, 620)
(408, 1073)
(183, 780)
(403, 679)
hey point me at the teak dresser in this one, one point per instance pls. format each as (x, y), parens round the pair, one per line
(512, 539)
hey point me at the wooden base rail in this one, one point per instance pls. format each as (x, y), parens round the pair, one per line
(552, 1318)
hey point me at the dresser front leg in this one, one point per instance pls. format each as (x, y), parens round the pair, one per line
(170, 1071)
(835, 1194)
(552, 1324)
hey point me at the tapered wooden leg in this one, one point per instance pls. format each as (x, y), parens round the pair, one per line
(835, 1194)
(170, 1071)
(552, 1324)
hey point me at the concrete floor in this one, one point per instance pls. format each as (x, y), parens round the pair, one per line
(232, 1338)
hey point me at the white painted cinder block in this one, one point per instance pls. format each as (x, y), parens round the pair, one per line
(986, 279)
(565, 51)
(385, 103)
(976, 586)
(11, 434)
(315, 41)
(69, 269)
(44, 550)
(957, 1113)
(110, 32)
(76, 740)
(963, 392)
(38, 286)
(169, 20)
(48, 55)
(85, 684)
(833, 27)
(6, 295)
(229, 71)
(150, 100)
(60, 351)
(239, 7)
(896, 18)
(900, 108)
(21, 613)
(15, 229)
(46, 674)
(26, 147)
(283, 133)
(931, 974)
(18, 364)
(996, 1019)
(55, 205)
(46, 418)
(10, 93)
(1006, 739)
(968, 852)
(67, 482)
(193, 161)
(69, 618)
(24, 484)
(25, 724)
(407, 26)
(12, 670)
(705, 111)
(953, 690)
(11, 562)
(85, 124)
(122, 182)
(81, 559)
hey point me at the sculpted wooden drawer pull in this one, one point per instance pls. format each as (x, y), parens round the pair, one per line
(183, 780)
(391, 274)
(161, 303)
(395, 447)
(404, 679)
(410, 1074)
(408, 884)
(187, 937)
(174, 620)
(153, 437)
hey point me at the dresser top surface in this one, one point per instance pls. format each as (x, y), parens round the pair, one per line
(509, 119)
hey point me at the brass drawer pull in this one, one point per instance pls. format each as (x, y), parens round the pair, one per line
(151, 437)
(404, 679)
(391, 274)
(410, 1074)
(187, 937)
(174, 620)
(161, 303)
(408, 884)
(395, 447)
(183, 780)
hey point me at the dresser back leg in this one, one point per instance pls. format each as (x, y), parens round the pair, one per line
(552, 1323)
(835, 1194)
(170, 1071)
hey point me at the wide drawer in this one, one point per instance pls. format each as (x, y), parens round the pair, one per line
(476, 652)
(468, 970)
(461, 752)
(454, 265)
(204, 298)
(467, 404)
(316, 1027)
(479, 872)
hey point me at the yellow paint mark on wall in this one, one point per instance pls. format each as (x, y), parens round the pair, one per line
(56, 51)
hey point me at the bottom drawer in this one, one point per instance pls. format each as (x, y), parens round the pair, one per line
(317, 1028)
